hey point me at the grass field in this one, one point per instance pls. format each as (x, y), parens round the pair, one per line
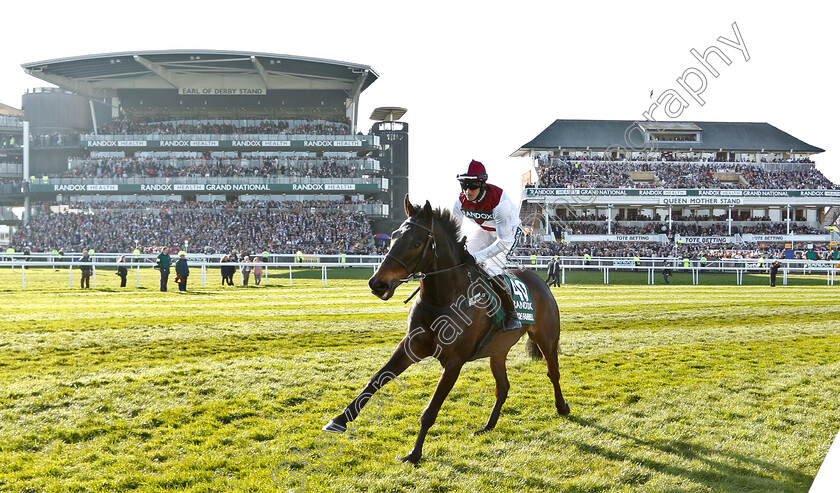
(672, 388)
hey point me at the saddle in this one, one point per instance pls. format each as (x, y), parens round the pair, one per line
(522, 302)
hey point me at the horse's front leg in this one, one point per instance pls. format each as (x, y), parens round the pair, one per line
(427, 419)
(399, 361)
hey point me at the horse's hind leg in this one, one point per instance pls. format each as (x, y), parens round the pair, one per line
(497, 366)
(548, 347)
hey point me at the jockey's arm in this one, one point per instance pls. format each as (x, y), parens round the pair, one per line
(456, 210)
(506, 217)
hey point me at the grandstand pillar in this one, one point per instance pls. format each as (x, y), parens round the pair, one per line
(27, 207)
(93, 118)
(27, 210)
(25, 151)
(609, 218)
(788, 218)
(729, 221)
(547, 218)
(670, 218)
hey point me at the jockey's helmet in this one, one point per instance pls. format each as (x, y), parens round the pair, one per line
(475, 175)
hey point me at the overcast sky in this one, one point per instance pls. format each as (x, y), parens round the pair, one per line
(479, 80)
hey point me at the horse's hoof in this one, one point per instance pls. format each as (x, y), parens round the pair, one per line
(412, 458)
(482, 431)
(565, 409)
(334, 427)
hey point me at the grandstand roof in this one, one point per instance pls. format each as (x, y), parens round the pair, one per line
(9, 111)
(102, 75)
(728, 136)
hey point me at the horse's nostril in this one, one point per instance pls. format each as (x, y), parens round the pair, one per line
(377, 285)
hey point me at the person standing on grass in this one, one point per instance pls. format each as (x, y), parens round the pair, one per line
(257, 271)
(556, 279)
(666, 272)
(85, 266)
(182, 271)
(549, 272)
(228, 271)
(223, 269)
(774, 269)
(245, 269)
(122, 271)
(163, 263)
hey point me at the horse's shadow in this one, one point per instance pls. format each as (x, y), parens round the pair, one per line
(723, 467)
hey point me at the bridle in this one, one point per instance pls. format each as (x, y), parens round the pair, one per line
(412, 272)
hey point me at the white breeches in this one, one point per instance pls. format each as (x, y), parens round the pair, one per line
(479, 239)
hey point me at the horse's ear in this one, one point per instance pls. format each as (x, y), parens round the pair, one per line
(427, 208)
(409, 208)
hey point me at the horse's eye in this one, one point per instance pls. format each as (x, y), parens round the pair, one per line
(416, 244)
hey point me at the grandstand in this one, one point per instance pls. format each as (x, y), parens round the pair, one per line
(676, 189)
(244, 146)
(11, 165)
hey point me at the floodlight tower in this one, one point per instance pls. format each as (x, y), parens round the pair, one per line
(393, 157)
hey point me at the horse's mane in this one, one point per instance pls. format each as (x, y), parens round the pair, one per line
(451, 225)
(449, 222)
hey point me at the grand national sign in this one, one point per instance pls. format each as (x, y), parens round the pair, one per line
(205, 188)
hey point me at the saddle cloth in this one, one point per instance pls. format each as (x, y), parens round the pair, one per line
(521, 301)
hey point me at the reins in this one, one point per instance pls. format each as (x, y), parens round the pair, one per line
(423, 275)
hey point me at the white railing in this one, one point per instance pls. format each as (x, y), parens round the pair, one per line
(198, 262)
(652, 266)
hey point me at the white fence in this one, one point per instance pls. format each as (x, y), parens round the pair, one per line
(653, 267)
(200, 262)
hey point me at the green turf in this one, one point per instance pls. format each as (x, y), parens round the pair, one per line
(672, 388)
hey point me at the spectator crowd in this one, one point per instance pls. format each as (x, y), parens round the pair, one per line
(564, 173)
(264, 167)
(167, 126)
(683, 228)
(313, 226)
(709, 251)
(338, 125)
(55, 138)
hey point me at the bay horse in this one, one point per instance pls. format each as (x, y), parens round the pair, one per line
(452, 320)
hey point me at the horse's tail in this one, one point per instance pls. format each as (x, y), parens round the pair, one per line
(532, 350)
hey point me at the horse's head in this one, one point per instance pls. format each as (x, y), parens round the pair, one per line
(413, 250)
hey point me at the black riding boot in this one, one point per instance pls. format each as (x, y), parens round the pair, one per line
(500, 287)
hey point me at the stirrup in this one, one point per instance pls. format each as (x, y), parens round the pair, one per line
(511, 322)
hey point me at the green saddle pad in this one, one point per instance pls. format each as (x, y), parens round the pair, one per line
(521, 301)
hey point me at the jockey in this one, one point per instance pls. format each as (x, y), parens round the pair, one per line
(498, 220)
